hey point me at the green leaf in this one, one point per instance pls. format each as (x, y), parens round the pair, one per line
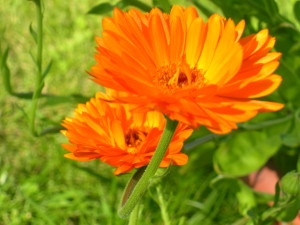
(271, 7)
(289, 212)
(4, 57)
(121, 5)
(202, 8)
(47, 70)
(57, 100)
(289, 87)
(164, 5)
(101, 9)
(277, 194)
(5, 71)
(297, 10)
(37, 2)
(298, 164)
(290, 183)
(243, 193)
(245, 197)
(52, 130)
(32, 57)
(138, 4)
(33, 33)
(292, 138)
(22, 110)
(245, 152)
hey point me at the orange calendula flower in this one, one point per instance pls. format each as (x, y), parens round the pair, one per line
(118, 137)
(196, 72)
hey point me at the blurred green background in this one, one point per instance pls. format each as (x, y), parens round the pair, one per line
(39, 186)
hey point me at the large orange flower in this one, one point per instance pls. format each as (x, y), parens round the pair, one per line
(115, 135)
(200, 73)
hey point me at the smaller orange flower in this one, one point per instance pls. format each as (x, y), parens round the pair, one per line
(111, 132)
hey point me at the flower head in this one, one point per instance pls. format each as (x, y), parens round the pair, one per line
(196, 72)
(118, 137)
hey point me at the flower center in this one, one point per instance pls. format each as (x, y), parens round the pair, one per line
(173, 77)
(134, 138)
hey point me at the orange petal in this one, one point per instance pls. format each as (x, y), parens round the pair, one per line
(256, 89)
(195, 41)
(160, 37)
(178, 34)
(211, 41)
(190, 14)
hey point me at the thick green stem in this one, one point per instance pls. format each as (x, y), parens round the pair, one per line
(39, 62)
(134, 216)
(132, 195)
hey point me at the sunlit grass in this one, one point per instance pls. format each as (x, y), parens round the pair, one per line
(39, 186)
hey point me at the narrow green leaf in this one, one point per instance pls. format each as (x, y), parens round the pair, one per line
(4, 57)
(297, 10)
(138, 4)
(182, 220)
(271, 7)
(32, 57)
(4, 69)
(33, 33)
(101, 9)
(52, 130)
(164, 5)
(254, 218)
(202, 8)
(22, 110)
(121, 5)
(298, 164)
(40, 88)
(37, 2)
(47, 70)
(277, 194)
(57, 100)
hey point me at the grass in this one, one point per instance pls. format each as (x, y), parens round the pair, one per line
(39, 186)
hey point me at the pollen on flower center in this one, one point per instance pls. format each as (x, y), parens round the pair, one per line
(134, 138)
(173, 77)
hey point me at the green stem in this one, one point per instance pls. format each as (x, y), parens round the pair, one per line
(132, 197)
(267, 123)
(134, 216)
(246, 127)
(39, 61)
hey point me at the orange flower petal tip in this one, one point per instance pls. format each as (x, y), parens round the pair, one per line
(193, 71)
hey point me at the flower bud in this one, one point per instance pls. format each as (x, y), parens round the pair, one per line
(291, 183)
